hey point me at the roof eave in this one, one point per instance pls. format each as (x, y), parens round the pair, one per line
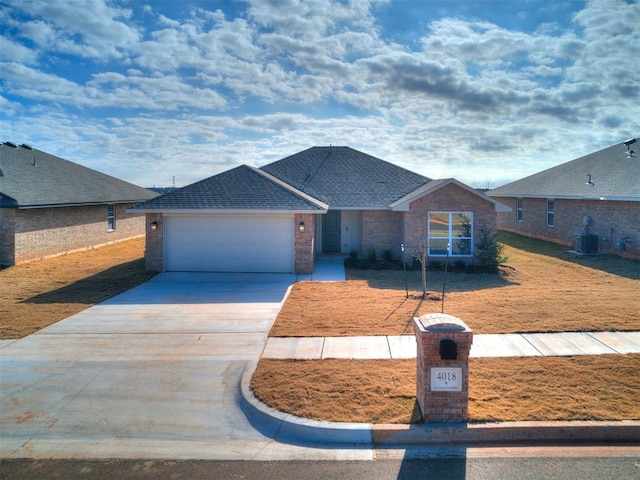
(568, 197)
(79, 204)
(403, 204)
(228, 211)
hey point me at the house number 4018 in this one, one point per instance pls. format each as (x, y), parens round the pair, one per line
(446, 379)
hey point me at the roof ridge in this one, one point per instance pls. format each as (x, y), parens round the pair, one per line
(291, 188)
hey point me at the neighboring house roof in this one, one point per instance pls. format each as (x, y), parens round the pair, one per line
(30, 178)
(614, 175)
(242, 189)
(345, 178)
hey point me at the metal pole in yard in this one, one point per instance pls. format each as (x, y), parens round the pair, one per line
(444, 280)
(404, 267)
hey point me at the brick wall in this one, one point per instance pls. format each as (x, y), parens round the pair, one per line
(47, 232)
(382, 230)
(610, 220)
(304, 243)
(7, 237)
(154, 247)
(449, 198)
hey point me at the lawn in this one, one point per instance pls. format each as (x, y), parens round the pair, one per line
(602, 387)
(542, 288)
(37, 294)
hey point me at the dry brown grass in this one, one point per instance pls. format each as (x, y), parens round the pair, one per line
(40, 293)
(601, 387)
(543, 288)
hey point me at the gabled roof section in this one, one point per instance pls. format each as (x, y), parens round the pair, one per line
(404, 203)
(345, 178)
(31, 178)
(613, 174)
(241, 189)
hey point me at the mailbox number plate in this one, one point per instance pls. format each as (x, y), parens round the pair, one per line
(446, 379)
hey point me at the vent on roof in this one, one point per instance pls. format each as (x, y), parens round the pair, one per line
(28, 147)
(9, 144)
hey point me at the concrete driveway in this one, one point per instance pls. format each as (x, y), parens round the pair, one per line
(152, 373)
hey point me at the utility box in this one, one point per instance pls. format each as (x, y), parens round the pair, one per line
(443, 344)
(586, 243)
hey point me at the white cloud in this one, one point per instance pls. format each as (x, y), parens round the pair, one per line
(192, 95)
(14, 52)
(81, 27)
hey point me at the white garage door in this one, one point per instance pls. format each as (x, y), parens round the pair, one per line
(223, 243)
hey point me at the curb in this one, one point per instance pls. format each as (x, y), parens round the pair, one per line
(287, 428)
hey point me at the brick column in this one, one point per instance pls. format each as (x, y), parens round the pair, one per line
(153, 254)
(443, 343)
(303, 244)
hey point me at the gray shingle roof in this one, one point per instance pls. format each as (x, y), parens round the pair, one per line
(615, 177)
(30, 178)
(241, 188)
(346, 178)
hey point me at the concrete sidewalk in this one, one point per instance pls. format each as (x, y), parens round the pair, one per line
(491, 345)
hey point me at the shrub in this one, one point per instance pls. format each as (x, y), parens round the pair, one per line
(372, 256)
(489, 251)
(387, 255)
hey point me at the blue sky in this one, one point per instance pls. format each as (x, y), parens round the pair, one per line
(484, 91)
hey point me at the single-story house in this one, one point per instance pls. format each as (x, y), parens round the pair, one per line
(322, 200)
(591, 203)
(50, 206)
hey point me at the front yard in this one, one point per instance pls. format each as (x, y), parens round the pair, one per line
(543, 288)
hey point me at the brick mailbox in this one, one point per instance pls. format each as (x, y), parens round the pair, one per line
(443, 367)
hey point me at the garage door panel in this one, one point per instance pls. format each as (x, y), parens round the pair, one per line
(229, 244)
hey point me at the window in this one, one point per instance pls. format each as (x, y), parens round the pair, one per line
(111, 217)
(450, 233)
(519, 209)
(550, 213)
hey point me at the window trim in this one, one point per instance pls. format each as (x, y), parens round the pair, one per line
(550, 212)
(111, 217)
(450, 239)
(519, 209)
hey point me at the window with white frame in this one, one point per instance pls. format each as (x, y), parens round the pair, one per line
(111, 217)
(450, 233)
(519, 209)
(550, 207)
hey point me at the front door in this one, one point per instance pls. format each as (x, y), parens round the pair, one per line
(331, 232)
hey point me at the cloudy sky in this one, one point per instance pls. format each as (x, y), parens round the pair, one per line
(485, 91)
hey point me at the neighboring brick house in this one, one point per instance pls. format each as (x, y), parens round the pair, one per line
(591, 203)
(322, 200)
(50, 206)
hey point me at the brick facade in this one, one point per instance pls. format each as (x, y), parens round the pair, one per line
(154, 247)
(449, 198)
(37, 233)
(7, 236)
(382, 230)
(304, 243)
(610, 220)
